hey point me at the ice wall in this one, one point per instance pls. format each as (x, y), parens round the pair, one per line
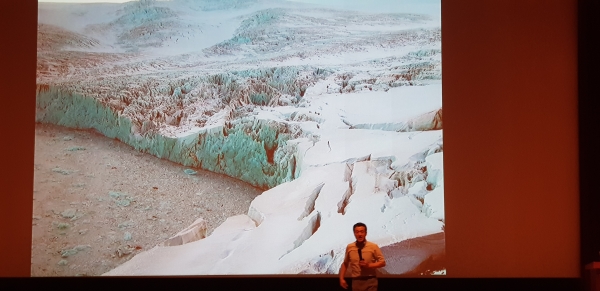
(251, 149)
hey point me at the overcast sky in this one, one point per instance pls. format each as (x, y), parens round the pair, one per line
(431, 7)
(86, 1)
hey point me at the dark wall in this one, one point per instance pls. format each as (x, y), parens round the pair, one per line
(510, 138)
(589, 129)
(18, 26)
(511, 158)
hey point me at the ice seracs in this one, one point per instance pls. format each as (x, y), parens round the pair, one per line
(297, 227)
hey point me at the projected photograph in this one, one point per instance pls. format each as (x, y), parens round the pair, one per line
(237, 137)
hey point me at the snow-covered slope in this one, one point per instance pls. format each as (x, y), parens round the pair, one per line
(336, 113)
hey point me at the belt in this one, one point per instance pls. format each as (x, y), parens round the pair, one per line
(363, 277)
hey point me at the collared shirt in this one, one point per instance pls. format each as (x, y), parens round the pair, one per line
(370, 253)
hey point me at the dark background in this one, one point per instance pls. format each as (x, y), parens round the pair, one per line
(520, 139)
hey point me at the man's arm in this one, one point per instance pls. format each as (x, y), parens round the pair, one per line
(343, 269)
(379, 259)
(378, 264)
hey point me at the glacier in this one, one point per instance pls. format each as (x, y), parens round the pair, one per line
(336, 114)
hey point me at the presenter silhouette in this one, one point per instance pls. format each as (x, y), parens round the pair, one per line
(362, 258)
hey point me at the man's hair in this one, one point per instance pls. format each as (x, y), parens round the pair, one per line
(358, 225)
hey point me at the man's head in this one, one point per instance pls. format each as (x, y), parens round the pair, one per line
(360, 232)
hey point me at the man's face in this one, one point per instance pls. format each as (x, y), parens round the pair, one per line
(360, 233)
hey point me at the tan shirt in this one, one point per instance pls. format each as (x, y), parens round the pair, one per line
(370, 253)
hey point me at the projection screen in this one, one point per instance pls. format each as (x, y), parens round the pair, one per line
(200, 137)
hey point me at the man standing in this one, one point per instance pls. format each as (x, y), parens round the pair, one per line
(362, 258)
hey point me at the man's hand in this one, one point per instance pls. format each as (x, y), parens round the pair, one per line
(343, 283)
(363, 264)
